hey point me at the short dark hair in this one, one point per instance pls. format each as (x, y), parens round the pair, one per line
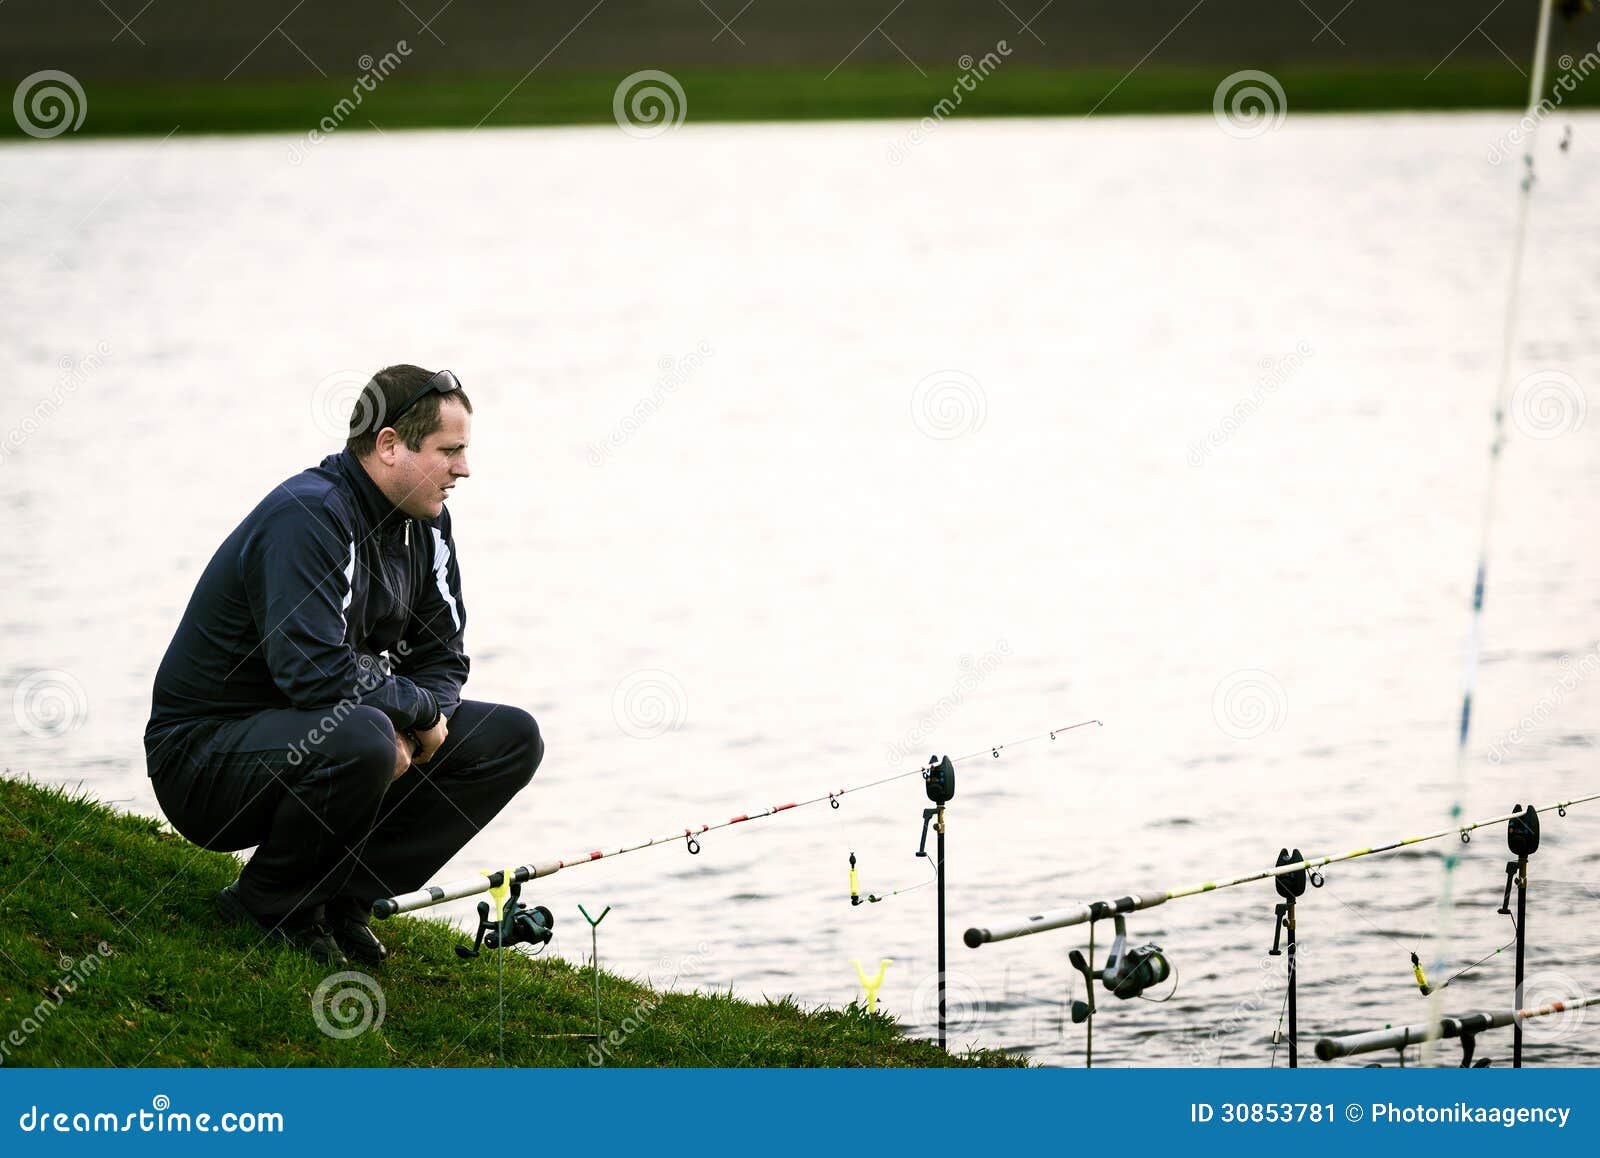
(386, 393)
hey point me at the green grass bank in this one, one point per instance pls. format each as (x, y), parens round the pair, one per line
(112, 955)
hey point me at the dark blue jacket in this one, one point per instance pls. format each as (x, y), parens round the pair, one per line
(325, 593)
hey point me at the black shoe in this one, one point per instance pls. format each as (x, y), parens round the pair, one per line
(347, 918)
(310, 937)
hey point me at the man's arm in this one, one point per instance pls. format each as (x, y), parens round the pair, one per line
(297, 569)
(434, 655)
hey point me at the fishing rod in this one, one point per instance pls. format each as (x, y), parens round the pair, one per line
(1128, 973)
(1098, 910)
(431, 895)
(1465, 1026)
(1469, 665)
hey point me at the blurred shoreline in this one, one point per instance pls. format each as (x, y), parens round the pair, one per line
(130, 107)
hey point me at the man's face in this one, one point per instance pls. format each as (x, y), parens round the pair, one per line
(420, 480)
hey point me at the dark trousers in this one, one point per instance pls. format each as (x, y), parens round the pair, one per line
(320, 804)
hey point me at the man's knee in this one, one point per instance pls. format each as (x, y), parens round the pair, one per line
(363, 737)
(529, 744)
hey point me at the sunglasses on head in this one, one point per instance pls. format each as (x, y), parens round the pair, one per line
(444, 382)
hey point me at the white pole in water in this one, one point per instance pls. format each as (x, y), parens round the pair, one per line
(1469, 673)
(1466, 1025)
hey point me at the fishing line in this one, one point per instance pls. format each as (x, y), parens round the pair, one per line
(1422, 982)
(471, 886)
(1408, 949)
(1166, 997)
(857, 895)
(1469, 968)
(1277, 1034)
(994, 751)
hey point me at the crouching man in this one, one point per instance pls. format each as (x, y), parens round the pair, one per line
(310, 705)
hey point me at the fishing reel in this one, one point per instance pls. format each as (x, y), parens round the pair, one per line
(518, 925)
(1128, 972)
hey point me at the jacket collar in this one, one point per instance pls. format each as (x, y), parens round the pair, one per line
(382, 515)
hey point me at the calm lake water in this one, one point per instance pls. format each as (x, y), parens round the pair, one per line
(792, 466)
